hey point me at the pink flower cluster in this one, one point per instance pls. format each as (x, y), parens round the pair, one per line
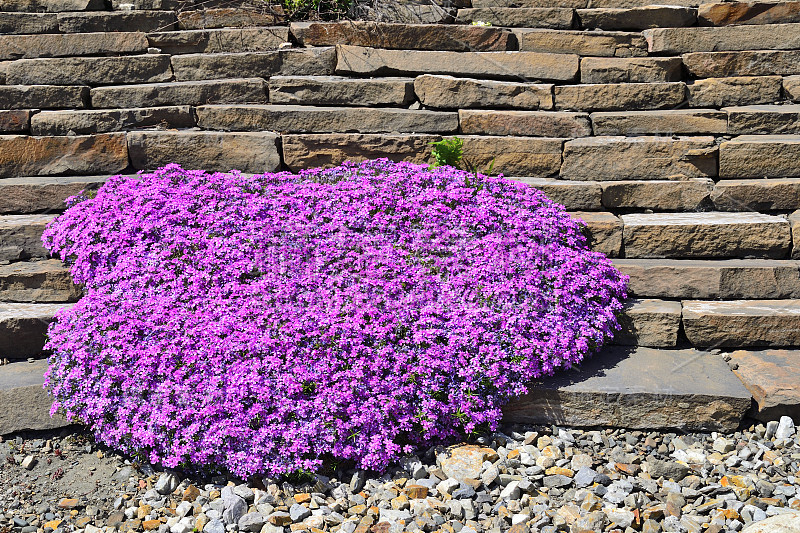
(264, 323)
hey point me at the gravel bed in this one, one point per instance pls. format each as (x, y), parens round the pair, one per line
(519, 480)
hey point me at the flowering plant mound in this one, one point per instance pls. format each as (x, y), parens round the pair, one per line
(262, 323)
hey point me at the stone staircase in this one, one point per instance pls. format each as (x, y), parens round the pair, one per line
(673, 131)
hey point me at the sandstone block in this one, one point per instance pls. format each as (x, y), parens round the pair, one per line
(219, 40)
(90, 121)
(45, 194)
(21, 155)
(794, 221)
(574, 4)
(103, 21)
(739, 90)
(90, 70)
(604, 44)
(42, 96)
(404, 36)
(778, 194)
(683, 40)
(603, 231)
(295, 119)
(22, 237)
(760, 156)
(667, 122)
(447, 92)
(745, 63)
(15, 121)
(304, 62)
(791, 85)
(148, 5)
(76, 44)
(525, 123)
(254, 152)
(687, 195)
(630, 70)
(28, 404)
(768, 119)
(52, 6)
(338, 90)
(618, 96)
(231, 91)
(28, 23)
(405, 13)
(556, 18)
(531, 65)
(712, 234)
(637, 18)
(742, 323)
(573, 195)
(647, 158)
(653, 323)
(23, 327)
(226, 17)
(37, 281)
(772, 377)
(724, 13)
(515, 156)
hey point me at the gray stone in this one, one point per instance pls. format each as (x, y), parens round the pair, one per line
(448, 92)
(235, 509)
(105, 21)
(791, 85)
(338, 90)
(783, 523)
(28, 23)
(744, 63)
(736, 90)
(616, 96)
(214, 526)
(597, 44)
(53, 6)
(42, 96)
(653, 323)
(217, 41)
(231, 91)
(630, 70)
(225, 17)
(584, 477)
(299, 513)
(556, 18)
(683, 40)
(357, 481)
(768, 119)
(167, 483)
(667, 122)
(81, 44)
(26, 403)
(291, 62)
(636, 18)
(667, 469)
(527, 123)
(107, 120)
(90, 70)
(37, 281)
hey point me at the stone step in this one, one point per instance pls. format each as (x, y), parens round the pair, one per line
(29, 195)
(152, 5)
(603, 231)
(15, 121)
(448, 92)
(744, 63)
(773, 378)
(556, 18)
(684, 40)
(194, 93)
(582, 4)
(757, 12)
(764, 119)
(706, 235)
(666, 122)
(775, 194)
(28, 23)
(404, 36)
(362, 61)
(51, 6)
(657, 195)
(21, 237)
(310, 119)
(219, 40)
(760, 156)
(90, 121)
(43, 96)
(651, 323)
(224, 17)
(613, 158)
(105, 21)
(23, 327)
(341, 91)
(619, 96)
(291, 62)
(23, 155)
(37, 281)
(406, 13)
(734, 91)
(630, 70)
(73, 44)
(791, 86)
(638, 388)
(712, 279)
(90, 70)
(637, 18)
(524, 123)
(573, 195)
(600, 44)
(742, 323)
(26, 405)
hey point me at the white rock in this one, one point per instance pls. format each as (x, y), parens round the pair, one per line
(783, 523)
(28, 462)
(183, 509)
(785, 428)
(448, 486)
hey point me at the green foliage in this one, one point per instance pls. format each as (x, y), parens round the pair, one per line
(448, 152)
(310, 9)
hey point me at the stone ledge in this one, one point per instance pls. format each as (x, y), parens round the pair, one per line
(26, 405)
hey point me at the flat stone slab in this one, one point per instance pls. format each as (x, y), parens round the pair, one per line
(636, 18)
(766, 119)
(341, 91)
(666, 122)
(28, 23)
(617, 96)
(641, 388)
(23, 155)
(557, 18)
(219, 40)
(660, 195)
(603, 231)
(21, 236)
(773, 378)
(742, 323)
(223, 17)
(760, 156)
(724, 13)
(15, 121)
(43, 96)
(232, 91)
(26, 405)
(605, 44)
(735, 90)
(90, 70)
(52, 6)
(774, 194)
(706, 235)
(724, 279)
(653, 323)
(791, 85)
(743, 63)
(36, 194)
(76, 44)
(524, 123)
(37, 281)
(760, 37)
(630, 70)
(89, 121)
(292, 62)
(573, 195)
(23, 327)
(448, 92)
(105, 21)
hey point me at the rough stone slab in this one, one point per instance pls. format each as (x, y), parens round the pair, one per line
(42, 96)
(573, 195)
(641, 388)
(637, 18)
(90, 70)
(773, 378)
(653, 323)
(791, 85)
(574, 4)
(255, 152)
(619, 96)
(28, 23)
(771, 119)
(520, 66)
(21, 236)
(603, 231)
(515, 156)
(745, 63)
(667, 122)
(602, 44)
(742, 323)
(649, 158)
(103, 21)
(706, 235)
(148, 5)
(628, 4)
(22, 155)
(219, 40)
(724, 13)
(89, 121)
(555, 18)
(524, 123)
(52, 6)
(630, 70)
(42, 194)
(760, 156)
(298, 62)
(404, 36)
(738, 90)
(23, 327)
(15, 121)
(232, 91)
(37, 281)
(325, 150)
(74, 44)
(405, 13)
(338, 90)
(225, 17)
(712, 279)
(26, 403)
(794, 221)
(447, 92)
(309, 119)
(777, 194)
(688, 195)
(683, 40)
